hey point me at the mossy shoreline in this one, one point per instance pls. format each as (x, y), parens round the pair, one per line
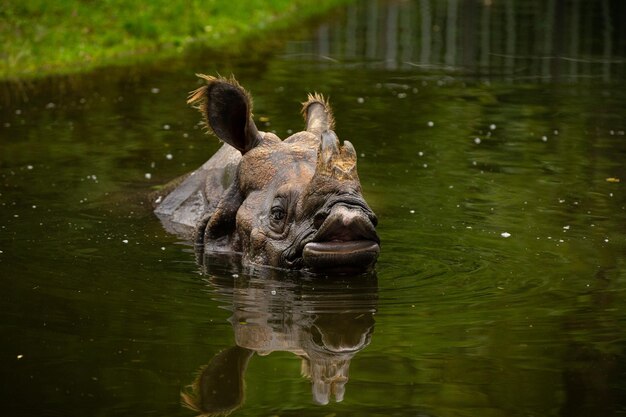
(43, 38)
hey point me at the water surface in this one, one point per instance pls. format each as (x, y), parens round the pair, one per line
(492, 149)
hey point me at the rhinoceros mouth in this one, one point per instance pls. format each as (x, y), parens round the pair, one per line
(346, 240)
(347, 255)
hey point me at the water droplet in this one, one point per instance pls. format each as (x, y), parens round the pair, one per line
(155, 90)
(360, 100)
(431, 124)
(148, 175)
(505, 234)
(166, 127)
(169, 156)
(125, 241)
(273, 292)
(492, 126)
(544, 138)
(412, 211)
(477, 141)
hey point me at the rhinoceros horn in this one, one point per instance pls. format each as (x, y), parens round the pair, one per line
(336, 161)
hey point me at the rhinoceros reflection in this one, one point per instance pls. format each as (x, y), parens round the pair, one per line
(324, 323)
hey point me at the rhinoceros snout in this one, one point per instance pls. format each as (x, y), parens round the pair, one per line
(345, 223)
(347, 239)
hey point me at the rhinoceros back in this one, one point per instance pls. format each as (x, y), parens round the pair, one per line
(181, 208)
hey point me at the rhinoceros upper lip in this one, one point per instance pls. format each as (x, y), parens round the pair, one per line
(352, 225)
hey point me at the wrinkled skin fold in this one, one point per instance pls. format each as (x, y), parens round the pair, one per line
(293, 203)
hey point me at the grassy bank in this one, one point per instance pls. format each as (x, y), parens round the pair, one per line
(43, 37)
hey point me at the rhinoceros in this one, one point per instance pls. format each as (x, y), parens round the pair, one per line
(294, 203)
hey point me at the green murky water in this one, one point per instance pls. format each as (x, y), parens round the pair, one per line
(491, 142)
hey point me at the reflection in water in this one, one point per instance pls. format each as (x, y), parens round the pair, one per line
(481, 37)
(325, 323)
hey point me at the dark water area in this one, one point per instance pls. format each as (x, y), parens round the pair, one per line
(491, 147)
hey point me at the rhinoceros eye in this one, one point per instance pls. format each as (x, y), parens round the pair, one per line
(278, 215)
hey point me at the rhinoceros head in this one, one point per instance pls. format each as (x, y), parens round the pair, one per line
(293, 203)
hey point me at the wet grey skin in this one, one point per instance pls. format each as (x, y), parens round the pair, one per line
(294, 203)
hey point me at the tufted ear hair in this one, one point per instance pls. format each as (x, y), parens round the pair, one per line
(227, 111)
(318, 114)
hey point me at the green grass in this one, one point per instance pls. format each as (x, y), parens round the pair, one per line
(43, 37)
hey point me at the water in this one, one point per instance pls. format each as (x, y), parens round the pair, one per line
(489, 151)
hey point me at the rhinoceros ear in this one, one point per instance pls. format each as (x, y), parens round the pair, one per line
(227, 111)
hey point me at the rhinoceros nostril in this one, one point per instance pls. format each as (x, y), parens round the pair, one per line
(319, 219)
